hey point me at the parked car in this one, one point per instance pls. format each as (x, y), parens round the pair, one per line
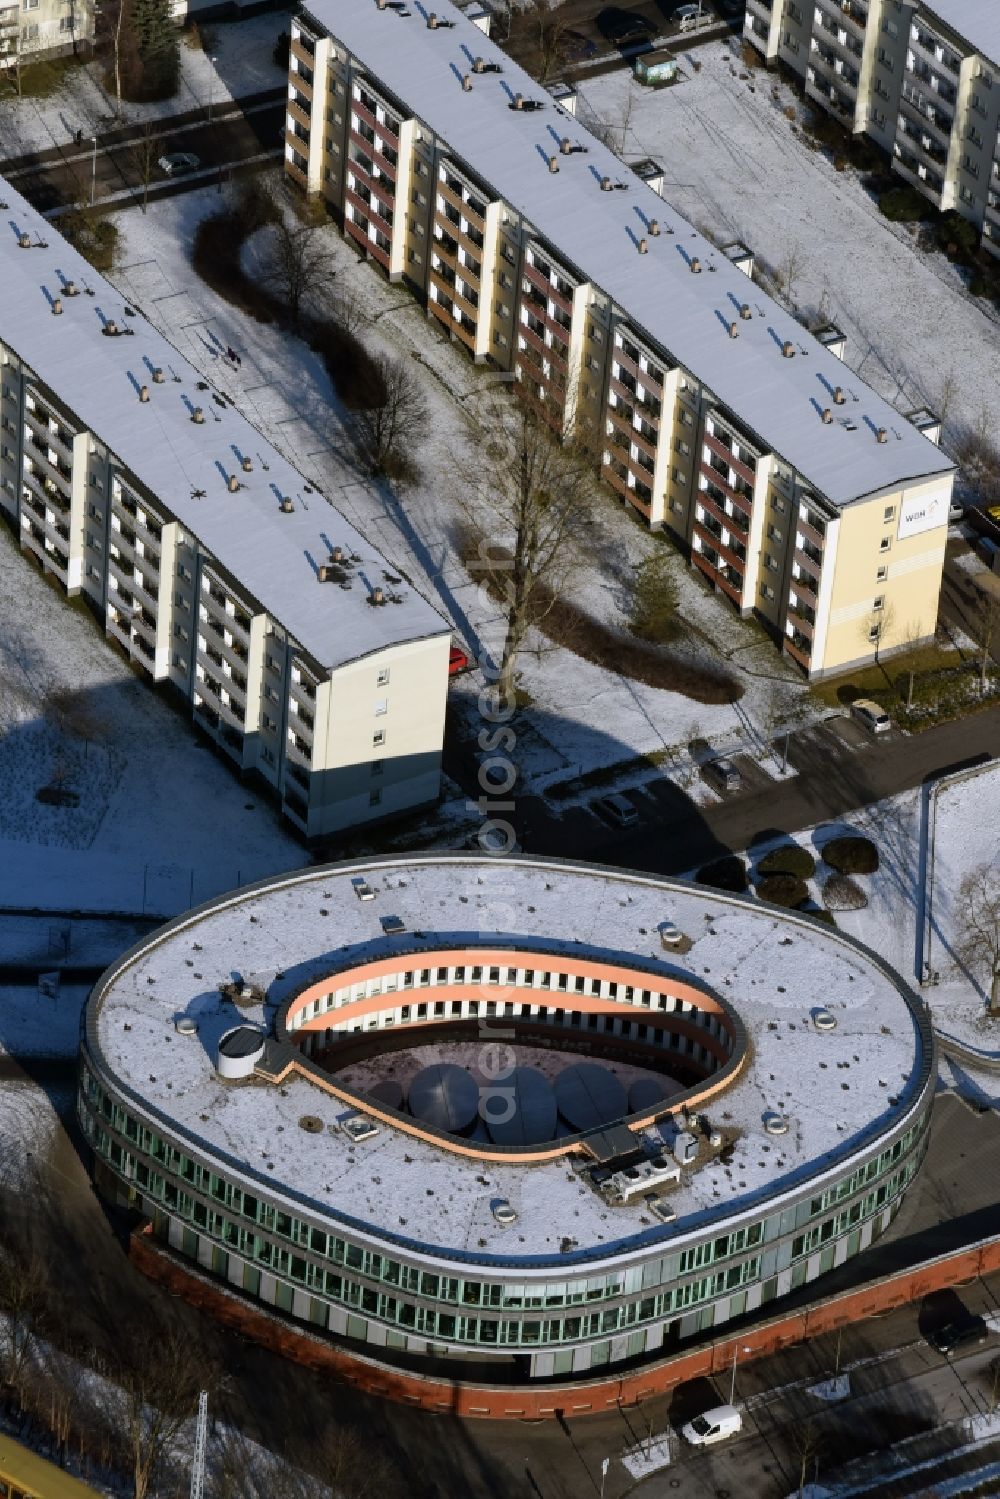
(179, 161)
(714, 1426)
(955, 1336)
(688, 16)
(623, 27)
(872, 715)
(458, 661)
(503, 1212)
(722, 775)
(617, 809)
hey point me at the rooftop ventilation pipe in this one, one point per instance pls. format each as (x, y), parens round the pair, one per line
(553, 163)
(605, 184)
(56, 306)
(467, 83)
(734, 330)
(234, 484)
(696, 265)
(158, 376)
(827, 415)
(643, 246)
(838, 396)
(654, 226)
(788, 348)
(432, 21)
(745, 312)
(198, 415)
(144, 393)
(881, 435)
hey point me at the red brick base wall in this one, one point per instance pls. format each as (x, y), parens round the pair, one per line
(532, 1401)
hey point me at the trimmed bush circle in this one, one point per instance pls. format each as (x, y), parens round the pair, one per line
(841, 893)
(788, 859)
(728, 873)
(851, 855)
(783, 890)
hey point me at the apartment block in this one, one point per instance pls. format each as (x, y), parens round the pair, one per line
(34, 29)
(922, 80)
(798, 492)
(215, 567)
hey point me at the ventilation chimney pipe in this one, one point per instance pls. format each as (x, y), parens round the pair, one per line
(696, 265)
(56, 306)
(198, 415)
(553, 163)
(654, 226)
(234, 484)
(838, 396)
(143, 393)
(643, 246)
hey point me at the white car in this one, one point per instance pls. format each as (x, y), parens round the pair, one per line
(714, 1426)
(874, 717)
(616, 809)
(179, 161)
(503, 1213)
(670, 934)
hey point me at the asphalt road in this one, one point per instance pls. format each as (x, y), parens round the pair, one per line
(840, 770)
(53, 178)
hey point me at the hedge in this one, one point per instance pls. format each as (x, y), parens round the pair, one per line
(728, 873)
(782, 890)
(851, 855)
(841, 893)
(788, 859)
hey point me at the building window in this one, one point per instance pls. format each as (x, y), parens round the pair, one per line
(383, 677)
(890, 511)
(767, 591)
(874, 631)
(375, 797)
(378, 738)
(381, 706)
(885, 543)
(882, 574)
(879, 603)
(377, 767)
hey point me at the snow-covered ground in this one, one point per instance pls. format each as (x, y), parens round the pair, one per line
(582, 715)
(904, 930)
(238, 63)
(735, 167)
(161, 821)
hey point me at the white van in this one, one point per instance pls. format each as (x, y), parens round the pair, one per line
(688, 16)
(714, 1426)
(874, 717)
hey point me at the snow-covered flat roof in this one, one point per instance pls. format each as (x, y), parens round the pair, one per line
(840, 1090)
(187, 466)
(977, 21)
(779, 399)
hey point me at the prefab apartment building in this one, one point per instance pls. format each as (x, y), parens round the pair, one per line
(216, 568)
(922, 80)
(802, 495)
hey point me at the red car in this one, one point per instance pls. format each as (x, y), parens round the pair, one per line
(457, 661)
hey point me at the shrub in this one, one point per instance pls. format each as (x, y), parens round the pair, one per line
(782, 890)
(841, 893)
(957, 236)
(788, 859)
(817, 915)
(727, 873)
(851, 855)
(902, 205)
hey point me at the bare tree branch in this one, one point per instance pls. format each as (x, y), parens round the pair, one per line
(978, 943)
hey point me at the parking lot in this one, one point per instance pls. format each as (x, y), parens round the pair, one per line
(592, 37)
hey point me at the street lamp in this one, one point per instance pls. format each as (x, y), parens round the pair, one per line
(93, 171)
(732, 1384)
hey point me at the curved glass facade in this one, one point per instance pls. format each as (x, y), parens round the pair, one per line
(319, 1271)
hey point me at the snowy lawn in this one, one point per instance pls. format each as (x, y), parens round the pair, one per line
(161, 822)
(239, 62)
(895, 923)
(580, 715)
(735, 167)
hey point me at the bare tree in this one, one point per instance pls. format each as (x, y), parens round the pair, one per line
(159, 1373)
(978, 943)
(988, 623)
(807, 1443)
(877, 626)
(145, 153)
(23, 1286)
(116, 37)
(791, 269)
(386, 433)
(534, 490)
(297, 264)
